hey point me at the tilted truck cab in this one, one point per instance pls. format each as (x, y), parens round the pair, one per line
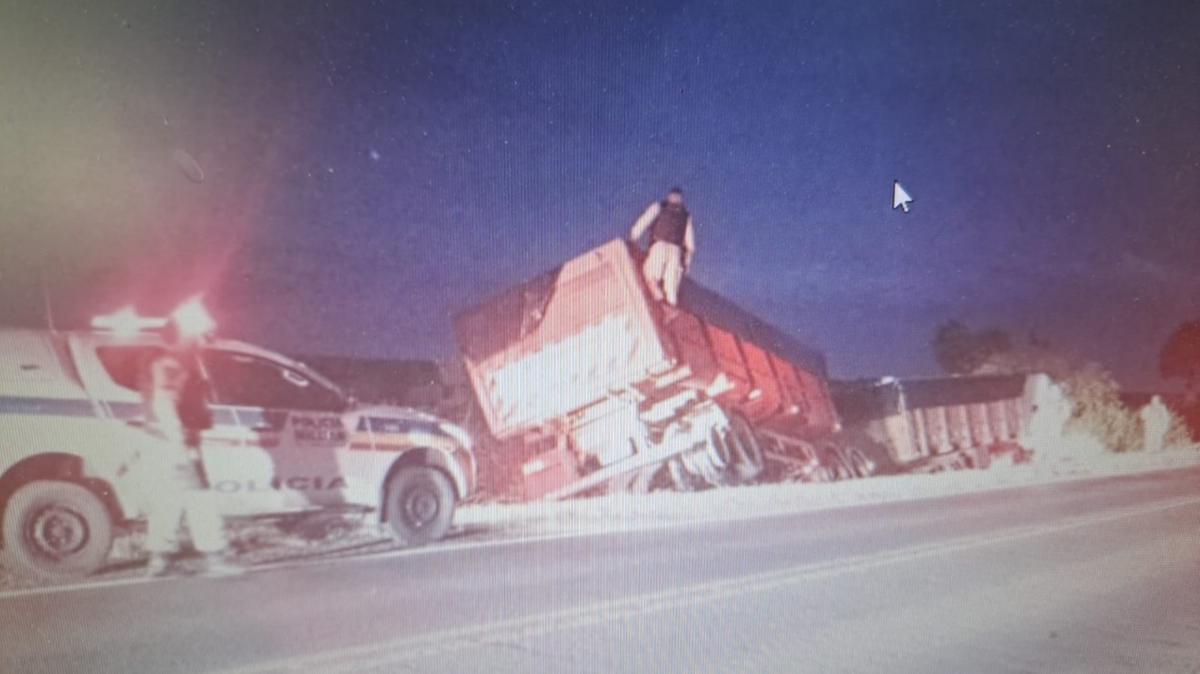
(284, 439)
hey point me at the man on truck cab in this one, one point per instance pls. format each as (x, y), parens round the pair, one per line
(672, 244)
(174, 393)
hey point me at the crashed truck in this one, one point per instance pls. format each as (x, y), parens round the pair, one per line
(608, 390)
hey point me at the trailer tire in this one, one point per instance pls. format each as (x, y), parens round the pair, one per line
(982, 458)
(838, 468)
(747, 450)
(716, 466)
(862, 466)
(56, 530)
(419, 505)
(638, 481)
(645, 480)
(681, 478)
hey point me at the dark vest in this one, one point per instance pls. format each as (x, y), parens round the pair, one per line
(671, 224)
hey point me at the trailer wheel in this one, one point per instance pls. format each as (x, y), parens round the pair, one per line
(822, 474)
(420, 505)
(681, 478)
(863, 467)
(720, 452)
(747, 451)
(638, 481)
(716, 466)
(646, 479)
(837, 465)
(56, 530)
(982, 458)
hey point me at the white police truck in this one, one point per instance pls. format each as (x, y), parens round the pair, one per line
(283, 440)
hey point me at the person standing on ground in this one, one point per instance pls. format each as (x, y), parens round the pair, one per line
(174, 401)
(1156, 420)
(672, 244)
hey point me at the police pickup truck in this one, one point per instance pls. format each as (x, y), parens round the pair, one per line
(283, 440)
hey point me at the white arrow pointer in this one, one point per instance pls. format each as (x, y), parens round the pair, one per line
(900, 198)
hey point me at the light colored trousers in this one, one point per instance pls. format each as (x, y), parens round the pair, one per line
(663, 271)
(172, 492)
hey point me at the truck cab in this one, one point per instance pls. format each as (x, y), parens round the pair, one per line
(284, 439)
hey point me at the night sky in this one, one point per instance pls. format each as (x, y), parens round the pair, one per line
(370, 168)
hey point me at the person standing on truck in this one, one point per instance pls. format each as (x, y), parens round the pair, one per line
(672, 244)
(174, 400)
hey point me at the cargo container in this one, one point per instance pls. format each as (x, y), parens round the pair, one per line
(607, 389)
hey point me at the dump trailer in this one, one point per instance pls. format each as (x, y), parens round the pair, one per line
(934, 424)
(609, 390)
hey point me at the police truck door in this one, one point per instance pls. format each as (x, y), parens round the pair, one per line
(292, 427)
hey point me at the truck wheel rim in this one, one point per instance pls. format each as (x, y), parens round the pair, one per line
(862, 465)
(421, 507)
(837, 467)
(720, 451)
(58, 532)
(747, 451)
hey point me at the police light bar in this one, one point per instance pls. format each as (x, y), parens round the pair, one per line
(192, 319)
(126, 323)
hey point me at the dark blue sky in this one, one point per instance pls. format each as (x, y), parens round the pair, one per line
(372, 168)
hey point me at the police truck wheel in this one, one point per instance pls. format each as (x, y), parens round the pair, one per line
(56, 530)
(419, 505)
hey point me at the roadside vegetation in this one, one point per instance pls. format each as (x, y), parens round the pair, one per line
(1097, 412)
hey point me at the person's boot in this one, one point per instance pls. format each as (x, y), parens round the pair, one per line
(158, 566)
(216, 565)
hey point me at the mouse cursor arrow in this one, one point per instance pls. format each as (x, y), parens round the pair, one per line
(900, 198)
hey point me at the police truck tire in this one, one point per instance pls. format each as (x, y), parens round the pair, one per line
(56, 530)
(419, 505)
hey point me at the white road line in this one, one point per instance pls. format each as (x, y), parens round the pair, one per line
(446, 641)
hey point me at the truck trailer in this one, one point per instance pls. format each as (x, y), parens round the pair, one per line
(930, 424)
(609, 390)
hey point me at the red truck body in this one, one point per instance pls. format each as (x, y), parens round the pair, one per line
(582, 354)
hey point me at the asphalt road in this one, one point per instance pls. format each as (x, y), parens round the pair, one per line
(1098, 576)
